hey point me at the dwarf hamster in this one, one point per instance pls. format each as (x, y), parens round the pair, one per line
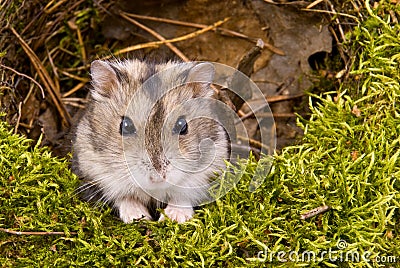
(149, 136)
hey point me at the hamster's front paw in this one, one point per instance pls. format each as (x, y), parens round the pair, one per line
(177, 214)
(131, 209)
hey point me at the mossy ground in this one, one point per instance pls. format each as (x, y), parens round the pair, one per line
(348, 160)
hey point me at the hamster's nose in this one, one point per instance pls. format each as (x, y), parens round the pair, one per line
(160, 166)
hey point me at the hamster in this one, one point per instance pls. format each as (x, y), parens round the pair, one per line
(149, 138)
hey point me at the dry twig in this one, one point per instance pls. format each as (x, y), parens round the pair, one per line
(253, 143)
(292, 3)
(314, 212)
(270, 99)
(75, 27)
(156, 35)
(173, 40)
(75, 89)
(57, 80)
(46, 79)
(26, 76)
(82, 79)
(333, 13)
(8, 231)
(19, 118)
(222, 31)
(313, 4)
(276, 115)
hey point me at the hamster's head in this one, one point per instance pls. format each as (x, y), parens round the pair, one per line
(152, 128)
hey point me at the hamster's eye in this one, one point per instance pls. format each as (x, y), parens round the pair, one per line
(127, 127)
(180, 126)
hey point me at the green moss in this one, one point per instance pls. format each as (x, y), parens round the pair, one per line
(348, 160)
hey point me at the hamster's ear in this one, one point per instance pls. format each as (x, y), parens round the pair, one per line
(202, 73)
(104, 79)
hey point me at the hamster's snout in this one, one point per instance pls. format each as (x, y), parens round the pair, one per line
(158, 177)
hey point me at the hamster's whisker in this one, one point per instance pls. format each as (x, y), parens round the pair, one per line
(86, 186)
(95, 184)
(101, 202)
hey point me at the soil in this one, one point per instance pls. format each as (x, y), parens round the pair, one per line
(299, 35)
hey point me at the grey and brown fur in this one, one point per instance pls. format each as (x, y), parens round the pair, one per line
(154, 166)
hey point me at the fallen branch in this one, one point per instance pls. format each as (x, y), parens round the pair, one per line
(73, 90)
(254, 143)
(222, 31)
(156, 35)
(173, 40)
(46, 79)
(269, 99)
(8, 231)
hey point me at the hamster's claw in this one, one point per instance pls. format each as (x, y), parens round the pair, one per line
(177, 214)
(130, 210)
